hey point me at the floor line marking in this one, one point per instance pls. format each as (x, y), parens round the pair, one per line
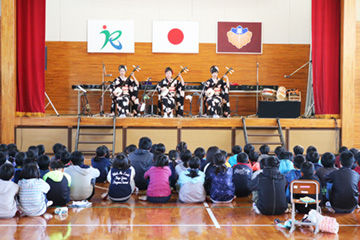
(211, 214)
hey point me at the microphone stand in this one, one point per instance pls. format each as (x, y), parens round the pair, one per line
(103, 90)
(201, 96)
(145, 95)
(289, 76)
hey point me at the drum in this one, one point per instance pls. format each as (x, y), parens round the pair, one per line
(281, 94)
(268, 93)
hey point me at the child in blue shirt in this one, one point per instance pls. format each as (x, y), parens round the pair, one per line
(294, 174)
(286, 164)
(233, 159)
(101, 162)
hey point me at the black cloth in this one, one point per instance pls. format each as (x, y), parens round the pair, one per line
(242, 174)
(284, 109)
(59, 192)
(271, 187)
(344, 191)
(301, 208)
(210, 167)
(120, 188)
(141, 160)
(321, 173)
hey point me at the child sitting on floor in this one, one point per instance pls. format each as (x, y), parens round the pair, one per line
(264, 150)
(158, 190)
(200, 153)
(286, 164)
(328, 162)
(19, 160)
(344, 193)
(185, 157)
(191, 183)
(242, 174)
(314, 158)
(59, 183)
(294, 174)
(298, 150)
(8, 191)
(222, 189)
(270, 185)
(32, 198)
(174, 159)
(102, 163)
(121, 179)
(235, 151)
(253, 157)
(44, 162)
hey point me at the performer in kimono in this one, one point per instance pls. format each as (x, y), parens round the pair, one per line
(217, 94)
(171, 95)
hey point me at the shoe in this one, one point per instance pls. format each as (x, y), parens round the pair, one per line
(216, 116)
(49, 203)
(165, 115)
(171, 115)
(256, 210)
(122, 116)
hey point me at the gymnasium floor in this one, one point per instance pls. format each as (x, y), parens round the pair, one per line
(142, 220)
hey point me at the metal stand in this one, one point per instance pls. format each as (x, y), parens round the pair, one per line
(257, 88)
(50, 102)
(103, 90)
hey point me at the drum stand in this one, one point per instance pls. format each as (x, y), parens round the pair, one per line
(50, 102)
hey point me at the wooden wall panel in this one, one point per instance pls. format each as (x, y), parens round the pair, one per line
(241, 141)
(357, 89)
(69, 64)
(206, 138)
(324, 140)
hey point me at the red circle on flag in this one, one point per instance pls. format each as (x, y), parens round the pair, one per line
(104, 27)
(175, 36)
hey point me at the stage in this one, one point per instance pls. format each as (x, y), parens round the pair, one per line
(197, 132)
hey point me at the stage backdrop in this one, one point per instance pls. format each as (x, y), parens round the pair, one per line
(30, 57)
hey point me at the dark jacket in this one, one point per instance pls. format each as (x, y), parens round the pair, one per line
(344, 191)
(103, 165)
(141, 160)
(209, 168)
(271, 185)
(242, 174)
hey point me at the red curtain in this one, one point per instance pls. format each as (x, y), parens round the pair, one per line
(30, 57)
(326, 56)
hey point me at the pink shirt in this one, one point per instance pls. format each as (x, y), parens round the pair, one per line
(159, 181)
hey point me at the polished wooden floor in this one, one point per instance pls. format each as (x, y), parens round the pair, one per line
(142, 220)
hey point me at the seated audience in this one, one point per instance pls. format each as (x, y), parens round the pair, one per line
(242, 174)
(8, 191)
(102, 163)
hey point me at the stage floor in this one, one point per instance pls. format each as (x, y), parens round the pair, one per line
(137, 219)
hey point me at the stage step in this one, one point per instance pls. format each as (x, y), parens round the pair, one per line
(264, 135)
(78, 134)
(267, 143)
(95, 142)
(96, 134)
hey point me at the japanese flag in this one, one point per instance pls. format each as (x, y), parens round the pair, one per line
(175, 37)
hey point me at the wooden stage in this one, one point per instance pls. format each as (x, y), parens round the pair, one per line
(143, 220)
(197, 132)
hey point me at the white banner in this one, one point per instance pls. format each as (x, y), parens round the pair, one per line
(175, 37)
(111, 36)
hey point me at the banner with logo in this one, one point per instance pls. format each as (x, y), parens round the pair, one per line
(111, 36)
(239, 37)
(175, 37)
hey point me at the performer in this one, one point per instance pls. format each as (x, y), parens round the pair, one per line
(217, 94)
(171, 95)
(122, 89)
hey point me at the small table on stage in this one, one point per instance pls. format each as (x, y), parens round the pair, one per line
(283, 109)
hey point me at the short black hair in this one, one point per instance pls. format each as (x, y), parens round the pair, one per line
(29, 171)
(2, 158)
(145, 143)
(100, 153)
(121, 161)
(242, 158)
(199, 152)
(57, 147)
(56, 164)
(357, 158)
(3, 147)
(41, 149)
(65, 157)
(131, 148)
(253, 156)
(31, 154)
(12, 152)
(278, 150)
(307, 168)
(285, 155)
(77, 158)
(185, 157)
(223, 152)
(19, 158)
(264, 149)
(354, 151)
(310, 149)
(347, 159)
(219, 161)
(161, 160)
(194, 162)
(313, 157)
(236, 149)
(160, 147)
(7, 171)
(298, 149)
(342, 149)
(262, 163)
(210, 154)
(11, 145)
(328, 160)
(173, 155)
(35, 149)
(44, 162)
(182, 146)
(299, 160)
(248, 148)
(272, 162)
